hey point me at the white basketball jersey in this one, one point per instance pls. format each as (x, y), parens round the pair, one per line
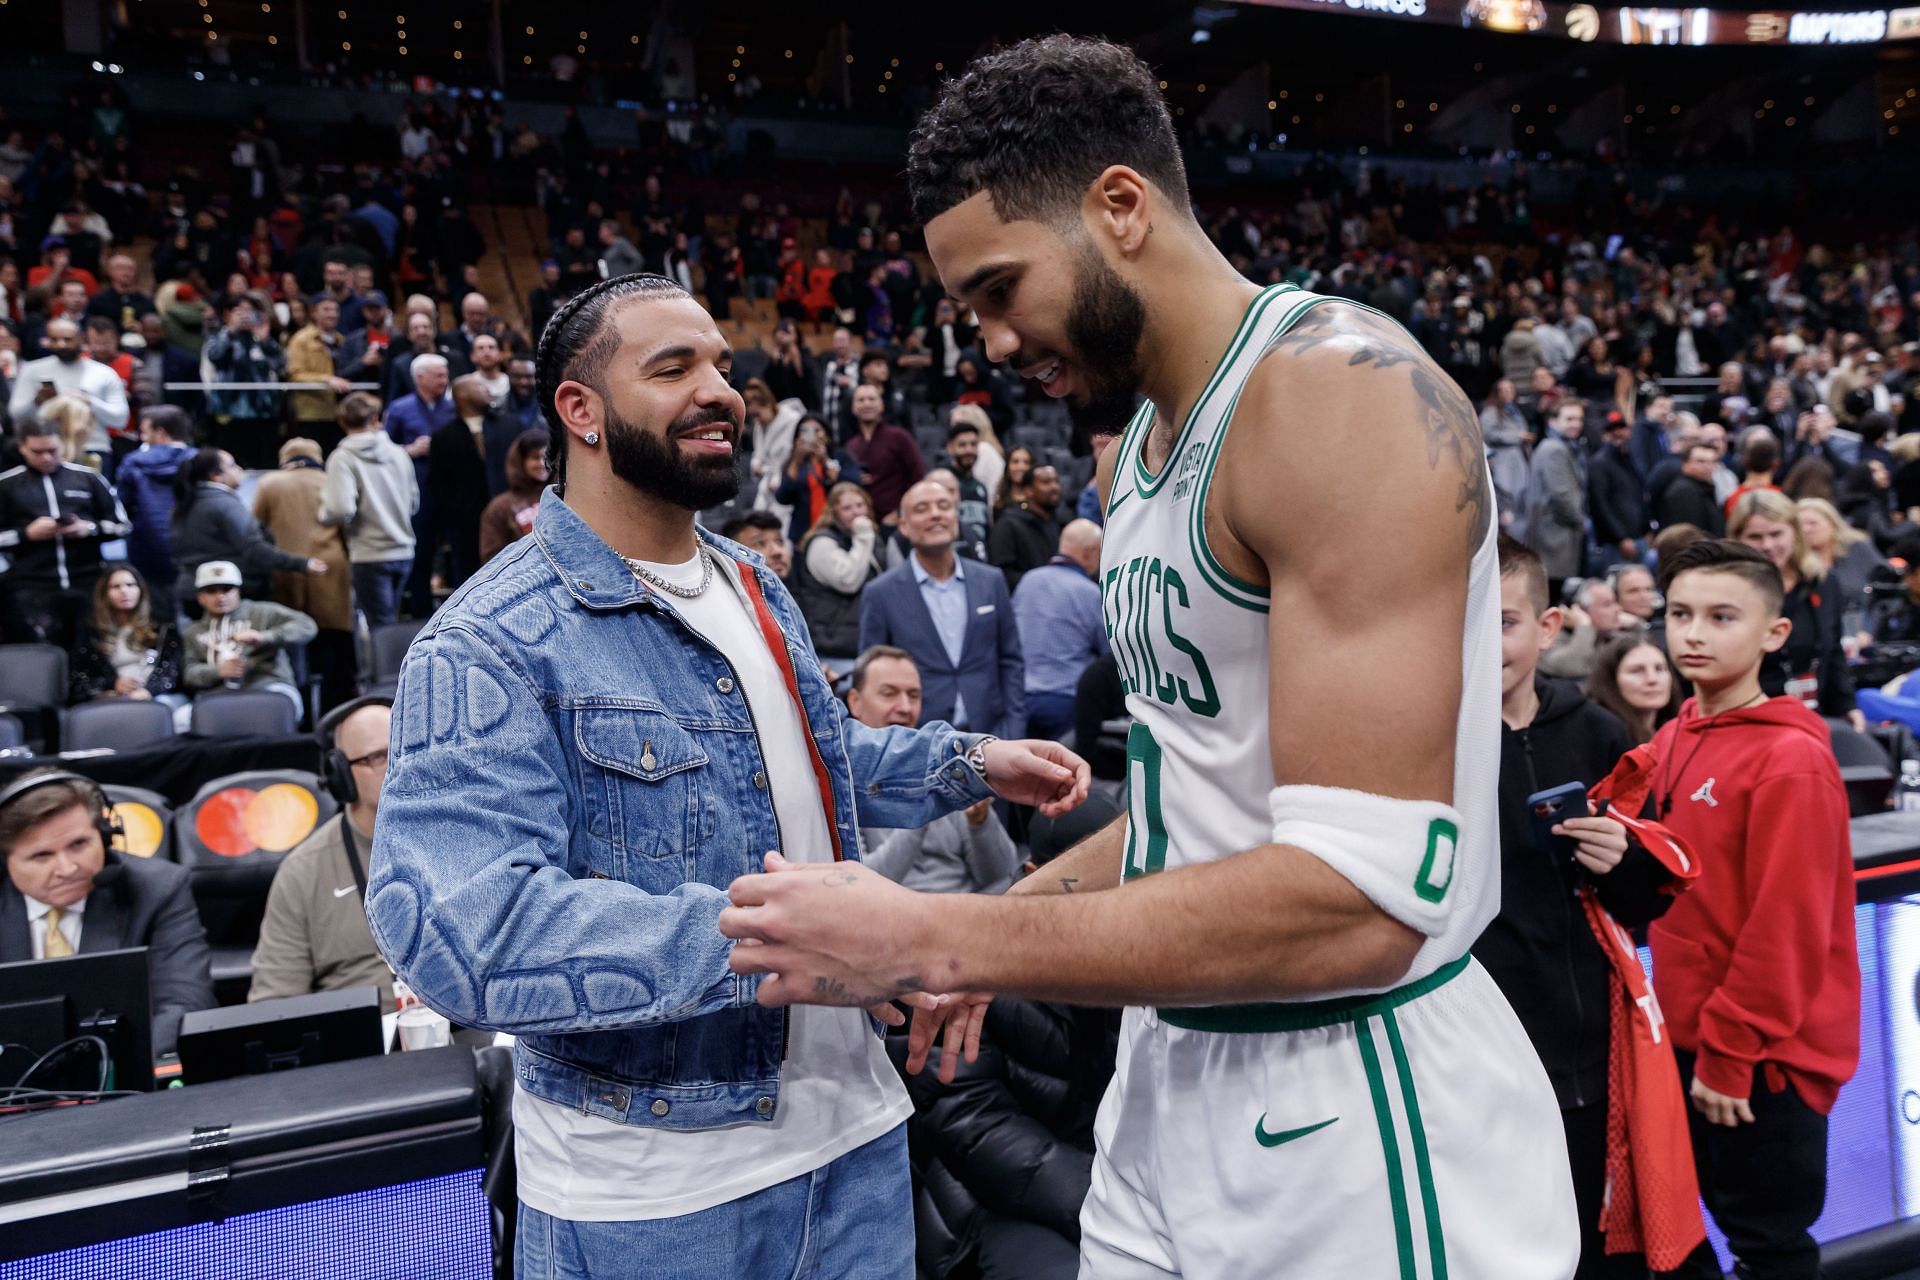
(1191, 642)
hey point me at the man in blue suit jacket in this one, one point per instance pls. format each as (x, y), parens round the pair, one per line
(954, 616)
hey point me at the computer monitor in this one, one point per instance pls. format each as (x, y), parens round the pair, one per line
(278, 1035)
(46, 1003)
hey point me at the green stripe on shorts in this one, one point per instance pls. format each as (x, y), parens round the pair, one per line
(1422, 1162)
(1390, 1148)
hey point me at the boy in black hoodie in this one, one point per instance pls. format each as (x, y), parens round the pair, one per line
(1540, 949)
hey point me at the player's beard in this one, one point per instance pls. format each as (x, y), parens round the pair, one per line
(1105, 325)
(657, 466)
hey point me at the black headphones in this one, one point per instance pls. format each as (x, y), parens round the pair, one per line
(336, 772)
(105, 823)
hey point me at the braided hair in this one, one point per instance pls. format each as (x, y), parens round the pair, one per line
(576, 345)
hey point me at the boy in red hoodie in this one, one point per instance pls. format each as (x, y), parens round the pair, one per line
(1755, 969)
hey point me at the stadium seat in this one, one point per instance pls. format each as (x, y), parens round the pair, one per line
(1863, 768)
(932, 442)
(33, 687)
(119, 725)
(1028, 435)
(387, 647)
(11, 734)
(146, 820)
(232, 837)
(242, 712)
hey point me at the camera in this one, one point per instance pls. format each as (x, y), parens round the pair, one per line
(1886, 580)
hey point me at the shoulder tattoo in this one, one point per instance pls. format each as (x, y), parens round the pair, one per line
(1448, 422)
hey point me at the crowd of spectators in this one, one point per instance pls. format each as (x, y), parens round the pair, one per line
(179, 519)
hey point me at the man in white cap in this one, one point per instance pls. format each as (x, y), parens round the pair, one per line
(238, 643)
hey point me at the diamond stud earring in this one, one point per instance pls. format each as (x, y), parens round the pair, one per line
(592, 437)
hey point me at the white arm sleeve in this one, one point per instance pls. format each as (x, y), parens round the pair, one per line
(1400, 853)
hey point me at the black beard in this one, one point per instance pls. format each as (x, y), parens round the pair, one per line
(655, 466)
(1105, 326)
(67, 357)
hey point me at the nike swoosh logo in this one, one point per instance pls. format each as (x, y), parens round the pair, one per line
(341, 893)
(1266, 1139)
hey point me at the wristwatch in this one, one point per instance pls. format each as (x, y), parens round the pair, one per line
(976, 755)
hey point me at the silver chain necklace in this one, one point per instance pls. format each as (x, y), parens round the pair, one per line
(654, 580)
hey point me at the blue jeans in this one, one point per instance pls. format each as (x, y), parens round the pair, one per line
(376, 588)
(849, 1220)
(1049, 715)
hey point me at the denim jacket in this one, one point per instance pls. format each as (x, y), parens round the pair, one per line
(573, 782)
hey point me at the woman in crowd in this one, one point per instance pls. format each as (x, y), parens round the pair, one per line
(1633, 679)
(211, 523)
(1848, 554)
(1503, 427)
(124, 651)
(1593, 376)
(975, 383)
(770, 426)
(1012, 490)
(806, 479)
(835, 563)
(509, 516)
(1811, 665)
(74, 417)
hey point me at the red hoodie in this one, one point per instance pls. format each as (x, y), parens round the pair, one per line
(1757, 963)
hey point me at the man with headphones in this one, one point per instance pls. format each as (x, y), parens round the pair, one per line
(314, 936)
(67, 891)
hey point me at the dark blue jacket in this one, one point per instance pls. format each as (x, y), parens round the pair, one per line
(991, 674)
(410, 418)
(145, 481)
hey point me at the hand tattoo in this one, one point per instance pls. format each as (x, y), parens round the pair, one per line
(834, 991)
(838, 878)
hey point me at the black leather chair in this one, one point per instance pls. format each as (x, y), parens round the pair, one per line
(119, 724)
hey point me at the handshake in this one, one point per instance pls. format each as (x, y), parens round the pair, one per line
(843, 934)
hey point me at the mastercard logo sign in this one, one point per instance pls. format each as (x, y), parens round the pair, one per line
(241, 820)
(141, 831)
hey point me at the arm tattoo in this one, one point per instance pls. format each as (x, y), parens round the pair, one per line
(1452, 428)
(1067, 883)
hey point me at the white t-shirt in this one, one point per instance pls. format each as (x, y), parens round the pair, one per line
(498, 385)
(838, 1091)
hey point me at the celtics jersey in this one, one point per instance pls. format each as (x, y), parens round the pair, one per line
(1192, 646)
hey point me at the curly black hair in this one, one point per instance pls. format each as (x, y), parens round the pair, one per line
(1034, 124)
(576, 345)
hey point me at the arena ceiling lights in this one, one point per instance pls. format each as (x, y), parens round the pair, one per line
(1589, 23)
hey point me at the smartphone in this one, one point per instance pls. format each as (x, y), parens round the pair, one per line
(1547, 809)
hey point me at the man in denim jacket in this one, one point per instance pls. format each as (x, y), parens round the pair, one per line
(603, 728)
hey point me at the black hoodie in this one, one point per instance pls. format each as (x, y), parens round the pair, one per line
(1540, 949)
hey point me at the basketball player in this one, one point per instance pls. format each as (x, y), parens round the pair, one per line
(1300, 584)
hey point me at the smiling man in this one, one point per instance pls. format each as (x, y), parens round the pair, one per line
(1314, 1078)
(614, 718)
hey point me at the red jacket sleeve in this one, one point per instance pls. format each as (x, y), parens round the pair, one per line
(1780, 957)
